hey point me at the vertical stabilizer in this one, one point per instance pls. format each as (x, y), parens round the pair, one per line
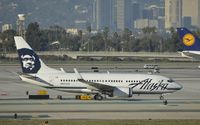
(30, 61)
(190, 41)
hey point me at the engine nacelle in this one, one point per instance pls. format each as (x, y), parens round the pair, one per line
(89, 91)
(123, 92)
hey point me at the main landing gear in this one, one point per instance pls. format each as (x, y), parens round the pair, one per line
(164, 100)
(98, 97)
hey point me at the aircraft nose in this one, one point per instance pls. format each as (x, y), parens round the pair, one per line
(177, 86)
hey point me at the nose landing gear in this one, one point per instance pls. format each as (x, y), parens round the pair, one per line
(161, 97)
(164, 100)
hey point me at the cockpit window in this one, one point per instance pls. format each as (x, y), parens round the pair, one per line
(170, 80)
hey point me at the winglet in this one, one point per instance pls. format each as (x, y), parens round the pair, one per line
(61, 69)
(79, 77)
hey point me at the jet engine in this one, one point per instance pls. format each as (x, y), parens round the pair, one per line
(123, 92)
(89, 91)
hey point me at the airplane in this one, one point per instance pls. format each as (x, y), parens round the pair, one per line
(35, 71)
(190, 42)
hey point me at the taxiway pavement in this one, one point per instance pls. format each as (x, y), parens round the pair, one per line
(183, 104)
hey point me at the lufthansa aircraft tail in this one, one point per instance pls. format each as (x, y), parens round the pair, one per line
(190, 41)
(30, 61)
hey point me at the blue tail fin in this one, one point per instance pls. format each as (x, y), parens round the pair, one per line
(189, 40)
(30, 61)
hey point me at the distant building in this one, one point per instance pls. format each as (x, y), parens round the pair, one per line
(191, 8)
(124, 14)
(147, 13)
(187, 22)
(152, 12)
(81, 24)
(143, 23)
(21, 24)
(136, 11)
(6, 27)
(173, 13)
(72, 31)
(104, 14)
(161, 22)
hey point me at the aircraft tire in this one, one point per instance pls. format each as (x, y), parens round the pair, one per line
(98, 97)
(161, 97)
(95, 97)
(165, 102)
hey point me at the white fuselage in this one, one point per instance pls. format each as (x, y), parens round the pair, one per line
(190, 53)
(150, 84)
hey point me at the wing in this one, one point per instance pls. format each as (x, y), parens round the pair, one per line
(98, 86)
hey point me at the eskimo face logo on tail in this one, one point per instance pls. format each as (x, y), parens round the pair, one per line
(29, 61)
(188, 39)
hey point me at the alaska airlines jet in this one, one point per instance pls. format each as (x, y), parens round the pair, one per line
(190, 42)
(112, 84)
